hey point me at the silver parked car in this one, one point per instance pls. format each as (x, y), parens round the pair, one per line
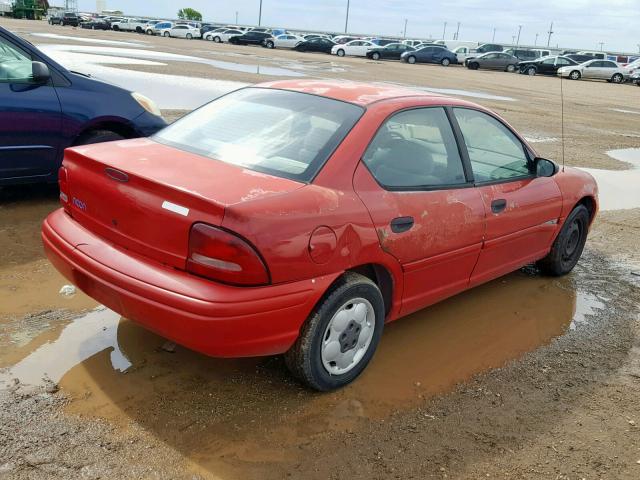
(595, 69)
(493, 61)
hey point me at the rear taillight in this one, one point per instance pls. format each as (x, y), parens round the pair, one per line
(220, 255)
(63, 184)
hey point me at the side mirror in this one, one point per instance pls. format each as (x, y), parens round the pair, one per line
(544, 167)
(40, 73)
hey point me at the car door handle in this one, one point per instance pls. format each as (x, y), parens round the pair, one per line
(498, 205)
(401, 224)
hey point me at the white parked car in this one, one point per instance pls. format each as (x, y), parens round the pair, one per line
(464, 52)
(223, 36)
(594, 69)
(358, 48)
(181, 31)
(286, 40)
(130, 25)
(631, 68)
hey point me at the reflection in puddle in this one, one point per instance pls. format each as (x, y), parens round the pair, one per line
(455, 91)
(235, 414)
(89, 40)
(165, 56)
(619, 189)
(161, 88)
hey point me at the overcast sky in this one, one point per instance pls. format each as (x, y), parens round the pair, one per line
(577, 23)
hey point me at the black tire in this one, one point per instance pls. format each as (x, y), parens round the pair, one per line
(375, 56)
(445, 62)
(474, 66)
(531, 71)
(270, 44)
(189, 36)
(98, 136)
(575, 75)
(567, 247)
(510, 68)
(411, 59)
(217, 39)
(617, 78)
(116, 28)
(340, 53)
(304, 359)
(166, 34)
(301, 48)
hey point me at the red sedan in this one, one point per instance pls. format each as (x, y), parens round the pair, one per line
(298, 217)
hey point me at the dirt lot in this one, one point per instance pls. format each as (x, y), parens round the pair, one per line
(525, 377)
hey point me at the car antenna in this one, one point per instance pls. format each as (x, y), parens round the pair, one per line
(562, 119)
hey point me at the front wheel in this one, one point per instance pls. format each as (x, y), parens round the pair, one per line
(531, 71)
(189, 36)
(270, 44)
(217, 39)
(340, 53)
(575, 75)
(340, 336)
(567, 247)
(375, 56)
(411, 59)
(445, 62)
(166, 34)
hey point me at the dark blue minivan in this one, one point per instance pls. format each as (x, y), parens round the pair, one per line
(45, 108)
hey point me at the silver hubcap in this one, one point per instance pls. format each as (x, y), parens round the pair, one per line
(348, 336)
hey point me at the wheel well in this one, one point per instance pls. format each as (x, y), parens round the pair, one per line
(590, 205)
(115, 127)
(382, 278)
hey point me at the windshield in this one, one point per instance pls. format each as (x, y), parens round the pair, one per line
(283, 133)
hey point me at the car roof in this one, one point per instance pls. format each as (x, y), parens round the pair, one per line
(359, 93)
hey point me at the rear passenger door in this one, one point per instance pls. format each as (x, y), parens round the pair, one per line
(522, 209)
(425, 211)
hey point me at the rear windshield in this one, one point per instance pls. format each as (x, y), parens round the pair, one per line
(282, 133)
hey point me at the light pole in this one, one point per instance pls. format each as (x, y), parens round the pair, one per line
(535, 44)
(455, 37)
(601, 45)
(494, 35)
(550, 32)
(513, 39)
(444, 30)
(346, 21)
(260, 14)
(519, 30)
(404, 32)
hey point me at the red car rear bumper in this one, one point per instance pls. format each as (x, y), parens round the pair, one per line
(215, 319)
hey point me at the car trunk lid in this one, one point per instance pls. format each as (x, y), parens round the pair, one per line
(145, 196)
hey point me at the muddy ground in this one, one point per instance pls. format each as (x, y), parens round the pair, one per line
(525, 377)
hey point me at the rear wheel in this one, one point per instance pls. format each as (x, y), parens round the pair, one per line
(98, 136)
(340, 336)
(567, 247)
(617, 78)
(575, 75)
(411, 59)
(445, 62)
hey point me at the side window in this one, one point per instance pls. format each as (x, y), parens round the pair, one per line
(551, 61)
(495, 152)
(415, 149)
(15, 64)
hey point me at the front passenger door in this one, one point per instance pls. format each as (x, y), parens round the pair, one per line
(522, 210)
(30, 115)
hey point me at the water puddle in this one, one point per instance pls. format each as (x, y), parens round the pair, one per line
(619, 189)
(165, 56)
(622, 110)
(161, 88)
(55, 36)
(225, 414)
(456, 92)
